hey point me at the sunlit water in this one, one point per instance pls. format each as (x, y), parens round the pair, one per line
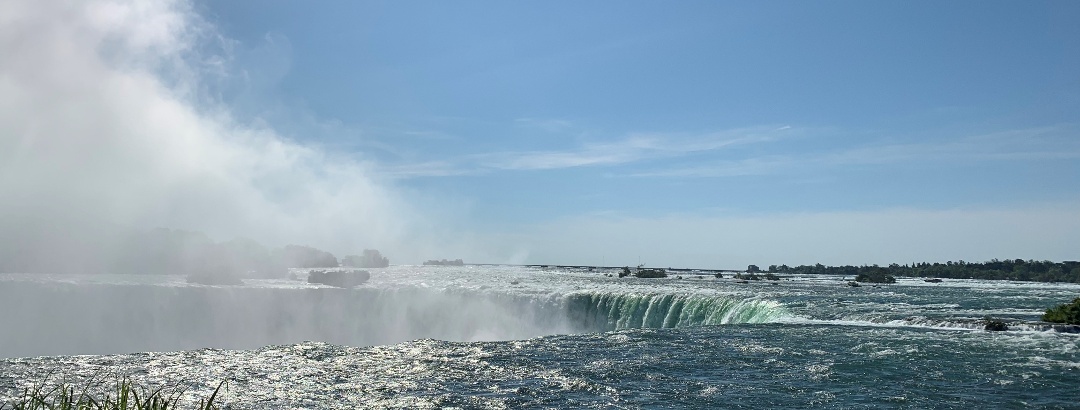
(508, 337)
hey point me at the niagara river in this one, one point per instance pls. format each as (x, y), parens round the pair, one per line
(495, 337)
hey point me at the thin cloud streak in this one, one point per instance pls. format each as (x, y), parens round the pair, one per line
(635, 148)
(746, 167)
(426, 169)
(638, 147)
(1034, 144)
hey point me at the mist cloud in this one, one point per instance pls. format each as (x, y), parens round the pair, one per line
(106, 125)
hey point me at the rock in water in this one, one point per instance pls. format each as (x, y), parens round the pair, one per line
(339, 278)
(995, 325)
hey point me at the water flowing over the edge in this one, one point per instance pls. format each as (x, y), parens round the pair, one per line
(607, 311)
(65, 318)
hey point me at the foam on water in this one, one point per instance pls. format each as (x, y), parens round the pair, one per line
(611, 311)
(64, 314)
(633, 343)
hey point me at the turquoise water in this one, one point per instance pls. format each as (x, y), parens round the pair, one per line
(473, 337)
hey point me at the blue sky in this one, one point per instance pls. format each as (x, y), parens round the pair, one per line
(528, 113)
(709, 134)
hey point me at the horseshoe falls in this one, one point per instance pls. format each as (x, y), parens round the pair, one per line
(490, 337)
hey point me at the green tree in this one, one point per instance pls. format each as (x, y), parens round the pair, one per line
(1067, 313)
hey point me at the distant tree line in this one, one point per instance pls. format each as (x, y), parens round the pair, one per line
(179, 252)
(444, 262)
(1008, 269)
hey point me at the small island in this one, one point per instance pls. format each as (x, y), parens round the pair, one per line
(875, 277)
(1068, 313)
(643, 272)
(341, 278)
(755, 276)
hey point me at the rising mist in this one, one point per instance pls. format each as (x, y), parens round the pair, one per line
(110, 126)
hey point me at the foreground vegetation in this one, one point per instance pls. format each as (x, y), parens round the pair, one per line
(1008, 269)
(1068, 313)
(124, 396)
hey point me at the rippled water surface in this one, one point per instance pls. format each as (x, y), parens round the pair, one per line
(503, 337)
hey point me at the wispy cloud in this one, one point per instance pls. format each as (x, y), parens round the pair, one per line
(633, 148)
(1059, 142)
(1022, 144)
(427, 169)
(591, 155)
(1031, 144)
(734, 168)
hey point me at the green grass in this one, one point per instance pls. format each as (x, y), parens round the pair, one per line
(124, 396)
